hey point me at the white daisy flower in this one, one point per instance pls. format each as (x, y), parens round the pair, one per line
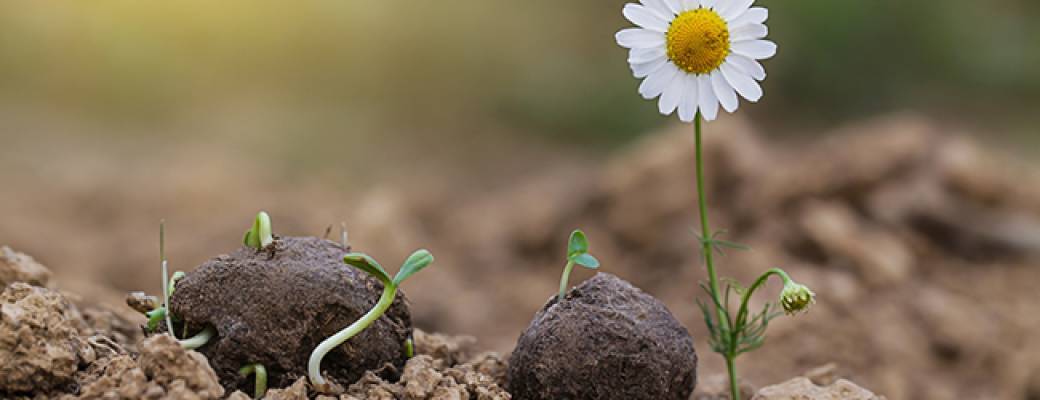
(697, 54)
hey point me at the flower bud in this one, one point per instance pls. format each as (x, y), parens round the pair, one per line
(796, 298)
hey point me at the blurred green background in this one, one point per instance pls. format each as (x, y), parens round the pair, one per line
(299, 82)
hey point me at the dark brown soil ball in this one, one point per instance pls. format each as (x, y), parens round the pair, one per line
(273, 306)
(605, 340)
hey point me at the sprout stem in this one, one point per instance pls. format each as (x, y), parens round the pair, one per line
(563, 279)
(314, 364)
(165, 276)
(261, 378)
(199, 339)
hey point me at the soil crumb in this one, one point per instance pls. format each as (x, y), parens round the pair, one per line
(273, 306)
(605, 340)
(40, 344)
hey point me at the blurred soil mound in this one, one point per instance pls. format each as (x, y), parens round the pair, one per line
(922, 246)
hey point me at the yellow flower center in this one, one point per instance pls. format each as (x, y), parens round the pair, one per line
(698, 41)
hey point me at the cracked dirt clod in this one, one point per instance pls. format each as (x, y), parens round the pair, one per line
(164, 370)
(428, 378)
(274, 306)
(19, 267)
(39, 343)
(605, 340)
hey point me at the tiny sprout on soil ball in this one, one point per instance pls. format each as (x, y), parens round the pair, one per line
(604, 339)
(415, 263)
(577, 253)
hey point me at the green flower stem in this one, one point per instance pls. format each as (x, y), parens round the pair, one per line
(261, 378)
(314, 364)
(742, 314)
(713, 280)
(563, 279)
(199, 339)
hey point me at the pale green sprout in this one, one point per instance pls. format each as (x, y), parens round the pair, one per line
(162, 312)
(260, 385)
(409, 348)
(577, 253)
(415, 263)
(259, 236)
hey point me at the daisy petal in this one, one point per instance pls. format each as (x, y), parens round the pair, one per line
(659, 7)
(639, 56)
(688, 103)
(674, 5)
(672, 94)
(707, 101)
(708, 3)
(756, 49)
(734, 8)
(747, 87)
(642, 70)
(688, 5)
(645, 18)
(727, 97)
(754, 15)
(748, 32)
(747, 66)
(655, 83)
(638, 38)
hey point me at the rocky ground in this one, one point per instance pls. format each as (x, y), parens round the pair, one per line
(922, 246)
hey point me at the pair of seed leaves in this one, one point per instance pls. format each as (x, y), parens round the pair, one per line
(578, 251)
(416, 262)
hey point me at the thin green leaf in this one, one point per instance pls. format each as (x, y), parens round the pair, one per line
(368, 264)
(578, 244)
(415, 263)
(729, 244)
(586, 260)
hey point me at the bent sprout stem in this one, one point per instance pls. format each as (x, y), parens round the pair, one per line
(415, 263)
(199, 339)
(314, 364)
(260, 387)
(563, 279)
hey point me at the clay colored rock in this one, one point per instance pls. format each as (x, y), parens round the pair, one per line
(804, 389)
(273, 306)
(605, 340)
(19, 267)
(40, 347)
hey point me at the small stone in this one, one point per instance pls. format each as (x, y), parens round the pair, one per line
(803, 389)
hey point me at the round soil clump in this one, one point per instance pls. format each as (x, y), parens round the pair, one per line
(273, 306)
(605, 340)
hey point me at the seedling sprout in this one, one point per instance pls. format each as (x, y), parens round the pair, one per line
(259, 236)
(260, 387)
(416, 262)
(577, 253)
